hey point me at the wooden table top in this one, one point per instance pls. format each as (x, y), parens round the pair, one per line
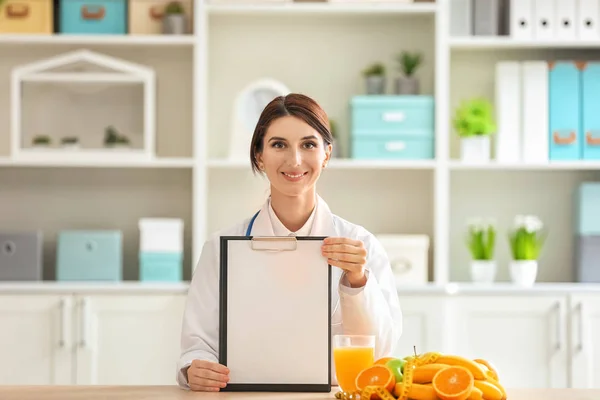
(175, 393)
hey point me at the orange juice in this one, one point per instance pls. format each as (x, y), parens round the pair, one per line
(349, 361)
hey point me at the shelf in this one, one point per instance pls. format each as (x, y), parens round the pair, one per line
(552, 166)
(183, 163)
(340, 163)
(117, 40)
(82, 77)
(505, 42)
(324, 8)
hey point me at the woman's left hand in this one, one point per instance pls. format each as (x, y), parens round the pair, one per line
(349, 255)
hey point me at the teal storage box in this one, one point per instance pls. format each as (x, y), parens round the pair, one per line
(161, 267)
(588, 209)
(565, 112)
(89, 256)
(393, 127)
(590, 99)
(102, 17)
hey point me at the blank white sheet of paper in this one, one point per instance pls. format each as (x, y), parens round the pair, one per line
(277, 321)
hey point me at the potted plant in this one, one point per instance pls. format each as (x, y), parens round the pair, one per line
(375, 78)
(526, 240)
(481, 242)
(474, 123)
(42, 141)
(71, 142)
(174, 22)
(112, 138)
(409, 83)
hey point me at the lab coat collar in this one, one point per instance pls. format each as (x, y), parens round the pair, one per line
(322, 224)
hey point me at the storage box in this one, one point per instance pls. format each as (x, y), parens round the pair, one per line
(408, 255)
(89, 256)
(161, 267)
(27, 16)
(98, 17)
(587, 209)
(158, 235)
(393, 127)
(590, 124)
(145, 16)
(588, 259)
(21, 255)
(564, 110)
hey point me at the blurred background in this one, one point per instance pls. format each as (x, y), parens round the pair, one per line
(467, 138)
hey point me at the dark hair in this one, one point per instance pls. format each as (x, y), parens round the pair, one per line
(296, 105)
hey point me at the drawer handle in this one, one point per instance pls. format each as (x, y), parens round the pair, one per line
(564, 140)
(592, 141)
(157, 13)
(395, 146)
(9, 248)
(87, 14)
(393, 116)
(17, 11)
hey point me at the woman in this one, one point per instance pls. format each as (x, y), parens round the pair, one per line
(291, 145)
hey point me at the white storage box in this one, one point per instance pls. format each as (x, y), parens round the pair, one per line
(161, 235)
(408, 256)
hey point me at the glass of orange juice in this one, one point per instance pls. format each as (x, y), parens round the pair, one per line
(352, 354)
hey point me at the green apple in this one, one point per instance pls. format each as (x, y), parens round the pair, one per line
(397, 367)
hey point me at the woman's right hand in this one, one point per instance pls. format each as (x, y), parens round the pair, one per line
(207, 376)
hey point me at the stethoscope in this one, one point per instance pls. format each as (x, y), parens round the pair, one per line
(249, 229)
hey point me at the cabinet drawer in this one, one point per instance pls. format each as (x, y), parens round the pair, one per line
(93, 17)
(26, 16)
(389, 149)
(392, 115)
(145, 16)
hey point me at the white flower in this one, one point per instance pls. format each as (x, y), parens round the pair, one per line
(530, 223)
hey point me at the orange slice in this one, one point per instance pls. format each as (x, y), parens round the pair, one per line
(453, 383)
(383, 360)
(376, 375)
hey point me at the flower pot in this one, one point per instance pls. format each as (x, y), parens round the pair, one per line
(475, 149)
(407, 86)
(483, 271)
(523, 272)
(375, 84)
(174, 24)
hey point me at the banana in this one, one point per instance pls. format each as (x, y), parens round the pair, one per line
(475, 368)
(491, 370)
(489, 390)
(476, 394)
(425, 373)
(422, 392)
(498, 386)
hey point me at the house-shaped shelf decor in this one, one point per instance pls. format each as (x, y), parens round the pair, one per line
(83, 105)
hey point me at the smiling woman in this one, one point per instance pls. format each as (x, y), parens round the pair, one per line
(291, 145)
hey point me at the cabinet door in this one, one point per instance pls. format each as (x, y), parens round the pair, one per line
(35, 344)
(585, 343)
(128, 339)
(423, 322)
(523, 336)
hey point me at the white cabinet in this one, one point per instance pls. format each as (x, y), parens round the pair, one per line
(525, 337)
(584, 346)
(104, 339)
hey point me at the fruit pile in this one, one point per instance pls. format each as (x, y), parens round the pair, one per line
(430, 376)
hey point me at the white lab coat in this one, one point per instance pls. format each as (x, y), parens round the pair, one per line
(372, 309)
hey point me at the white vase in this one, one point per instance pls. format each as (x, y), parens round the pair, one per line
(475, 149)
(483, 271)
(523, 272)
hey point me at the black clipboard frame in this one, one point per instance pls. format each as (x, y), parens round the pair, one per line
(266, 387)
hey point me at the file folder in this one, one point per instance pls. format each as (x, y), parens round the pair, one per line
(521, 19)
(275, 314)
(564, 108)
(590, 87)
(508, 111)
(565, 26)
(544, 18)
(588, 13)
(535, 112)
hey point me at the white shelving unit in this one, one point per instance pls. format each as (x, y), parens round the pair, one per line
(320, 49)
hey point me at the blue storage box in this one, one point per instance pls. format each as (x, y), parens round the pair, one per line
(393, 127)
(588, 259)
(588, 209)
(89, 256)
(590, 125)
(161, 266)
(565, 112)
(98, 17)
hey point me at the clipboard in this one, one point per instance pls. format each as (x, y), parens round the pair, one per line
(275, 314)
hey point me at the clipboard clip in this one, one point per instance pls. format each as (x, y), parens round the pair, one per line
(274, 244)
